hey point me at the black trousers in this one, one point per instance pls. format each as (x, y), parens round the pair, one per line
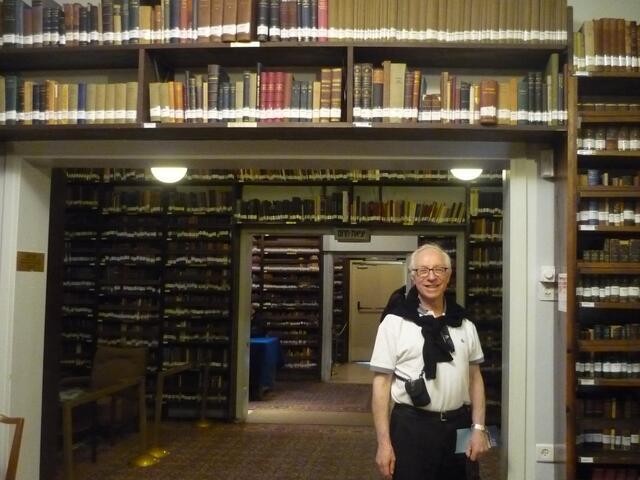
(425, 446)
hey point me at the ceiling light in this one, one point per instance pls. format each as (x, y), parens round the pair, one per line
(169, 174)
(466, 174)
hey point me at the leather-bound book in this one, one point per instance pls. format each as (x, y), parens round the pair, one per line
(204, 19)
(274, 20)
(246, 20)
(488, 102)
(217, 7)
(229, 20)
(262, 20)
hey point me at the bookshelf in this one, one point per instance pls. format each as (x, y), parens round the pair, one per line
(147, 265)
(484, 285)
(603, 275)
(340, 333)
(287, 299)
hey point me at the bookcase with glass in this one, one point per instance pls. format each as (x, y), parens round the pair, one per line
(604, 270)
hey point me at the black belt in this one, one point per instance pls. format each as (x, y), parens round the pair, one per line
(442, 416)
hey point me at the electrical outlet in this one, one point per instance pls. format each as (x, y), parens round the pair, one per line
(544, 452)
(547, 292)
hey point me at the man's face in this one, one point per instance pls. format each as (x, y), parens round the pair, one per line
(430, 286)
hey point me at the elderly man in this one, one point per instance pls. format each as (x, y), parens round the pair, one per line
(426, 358)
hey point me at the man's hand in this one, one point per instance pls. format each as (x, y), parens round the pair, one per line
(478, 444)
(386, 460)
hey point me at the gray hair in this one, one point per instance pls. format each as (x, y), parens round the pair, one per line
(433, 247)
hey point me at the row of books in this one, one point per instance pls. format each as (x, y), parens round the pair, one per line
(613, 473)
(608, 407)
(413, 20)
(395, 93)
(615, 250)
(485, 229)
(610, 138)
(628, 331)
(485, 202)
(407, 212)
(606, 44)
(270, 96)
(615, 178)
(622, 439)
(621, 105)
(338, 208)
(612, 212)
(49, 102)
(117, 175)
(608, 365)
(490, 256)
(47, 23)
(608, 288)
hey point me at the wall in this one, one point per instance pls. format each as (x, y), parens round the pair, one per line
(589, 9)
(25, 220)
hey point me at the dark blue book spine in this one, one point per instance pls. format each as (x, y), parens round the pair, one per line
(82, 103)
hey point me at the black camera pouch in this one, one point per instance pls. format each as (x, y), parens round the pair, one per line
(417, 390)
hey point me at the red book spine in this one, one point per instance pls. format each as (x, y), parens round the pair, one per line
(278, 95)
(323, 20)
(270, 96)
(263, 95)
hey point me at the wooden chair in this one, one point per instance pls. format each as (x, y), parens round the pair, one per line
(116, 371)
(12, 466)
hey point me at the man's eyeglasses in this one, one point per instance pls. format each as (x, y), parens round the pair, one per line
(423, 272)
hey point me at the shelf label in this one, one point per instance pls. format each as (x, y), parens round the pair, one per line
(588, 228)
(581, 73)
(586, 152)
(587, 381)
(585, 459)
(244, 44)
(242, 124)
(149, 125)
(362, 124)
(587, 304)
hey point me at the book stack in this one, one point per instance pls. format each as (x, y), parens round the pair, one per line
(407, 212)
(26, 102)
(612, 473)
(265, 96)
(615, 178)
(330, 208)
(200, 201)
(485, 229)
(606, 44)
(120, 22)
(413, 20)
(614, 250)
(614, 212)
(396, 93)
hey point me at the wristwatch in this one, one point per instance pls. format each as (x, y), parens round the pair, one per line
(477, 426)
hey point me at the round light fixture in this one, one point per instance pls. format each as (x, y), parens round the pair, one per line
(466, 174)
(169, 174)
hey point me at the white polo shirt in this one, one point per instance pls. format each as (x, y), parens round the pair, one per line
(398, 349)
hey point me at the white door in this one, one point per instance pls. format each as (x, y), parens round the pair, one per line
(370, 285)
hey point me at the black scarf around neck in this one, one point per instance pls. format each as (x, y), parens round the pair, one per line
(435, 347)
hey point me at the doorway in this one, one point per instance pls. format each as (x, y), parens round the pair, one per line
(371, 283)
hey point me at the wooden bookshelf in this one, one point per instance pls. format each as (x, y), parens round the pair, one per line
(582, 316)
(609, 345)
